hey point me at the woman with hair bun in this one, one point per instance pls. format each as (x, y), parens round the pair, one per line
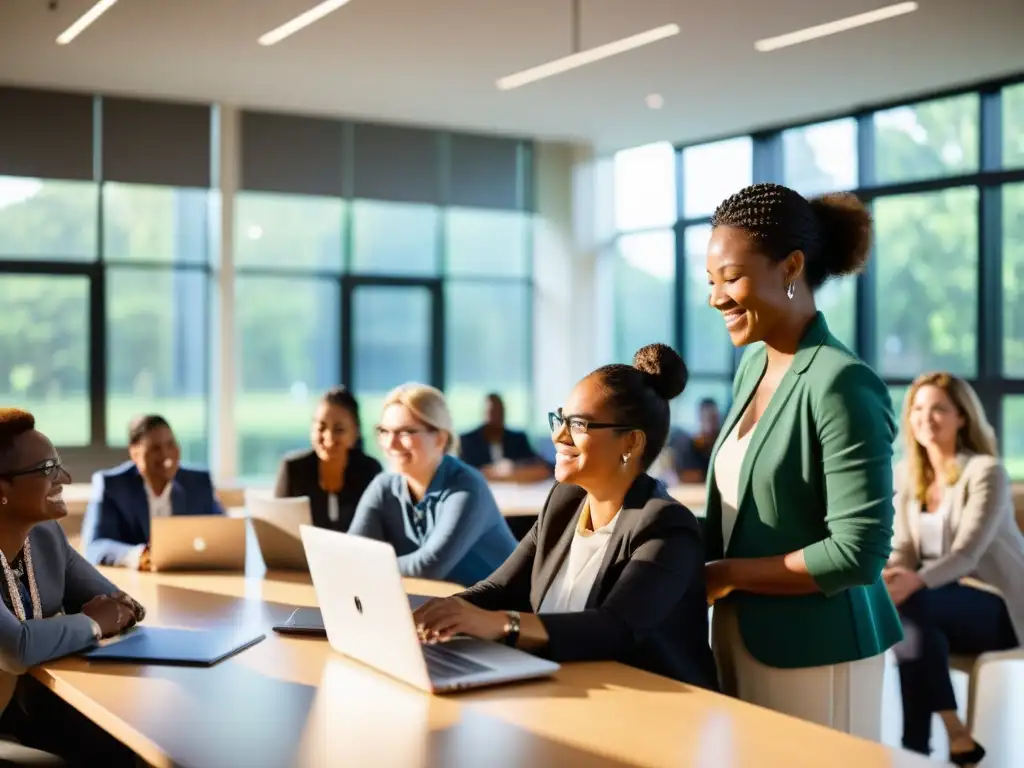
(800, 492)
(613, 568)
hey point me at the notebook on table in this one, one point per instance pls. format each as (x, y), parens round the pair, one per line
(191, 647)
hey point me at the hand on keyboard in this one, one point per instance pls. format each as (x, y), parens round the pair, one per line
(438, 621)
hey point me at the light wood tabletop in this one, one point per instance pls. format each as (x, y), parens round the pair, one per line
(294, 702)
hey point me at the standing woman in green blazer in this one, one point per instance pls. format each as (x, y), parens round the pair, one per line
(800, 492)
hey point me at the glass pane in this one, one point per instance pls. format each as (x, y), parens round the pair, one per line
(391, 343)
(644, 292)
(927, 140)
(645, 187)
(485, 243)
(157, 332)
(44, 353)
(837, 300)
(821, 158)
(289, 350)
(394, 238)
(488, 328)
(706, 346)
(1013, 436)
(165, 224)
(296, 231)
(1013, 126)
(1013, 280)
(712, 172)
(927, 282)
(46, 219)
(897, 394)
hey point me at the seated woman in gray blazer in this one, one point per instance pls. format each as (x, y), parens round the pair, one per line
(954, 518)
(613, 569)
(54, 603)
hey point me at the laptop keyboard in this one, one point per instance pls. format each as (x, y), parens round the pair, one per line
(446, 664)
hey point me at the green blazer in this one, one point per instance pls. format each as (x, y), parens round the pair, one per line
(817, 476)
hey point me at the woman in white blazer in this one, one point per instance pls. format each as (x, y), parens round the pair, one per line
(954, 518)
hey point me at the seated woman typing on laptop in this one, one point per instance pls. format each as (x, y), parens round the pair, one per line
(336, 472)
(437, 512)
(54, 603)
(613, 568)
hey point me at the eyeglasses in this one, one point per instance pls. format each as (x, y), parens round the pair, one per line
(46, 469)
(404, 434)
(579, 425)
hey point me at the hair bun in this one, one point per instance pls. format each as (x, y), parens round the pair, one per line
(663, 369)
(845, 227)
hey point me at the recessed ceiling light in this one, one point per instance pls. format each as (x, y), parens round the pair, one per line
(834, 27)
(655, 101)
(84, 21)
(301, 21)
(589, 56)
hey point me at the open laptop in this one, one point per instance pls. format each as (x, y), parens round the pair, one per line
(366, 612)
(276, 523)
(197, 543)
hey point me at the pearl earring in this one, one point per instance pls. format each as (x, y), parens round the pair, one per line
(791, 291)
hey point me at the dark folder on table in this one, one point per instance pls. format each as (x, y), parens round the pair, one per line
(310, 622)
(156, 645)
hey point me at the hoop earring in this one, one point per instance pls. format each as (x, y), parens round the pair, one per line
(3, 500)
(791, 291)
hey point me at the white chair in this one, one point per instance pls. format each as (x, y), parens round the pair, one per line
(974, 666)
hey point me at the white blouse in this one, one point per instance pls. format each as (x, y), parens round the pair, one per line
(932, 531)
(575, 579)
(728, 464)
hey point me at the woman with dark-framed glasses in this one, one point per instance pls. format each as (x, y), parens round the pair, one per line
(54, 603)
(613, 568)
(436, 511)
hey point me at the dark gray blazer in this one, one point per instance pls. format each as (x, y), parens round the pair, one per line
(66, 582)
(648, 606)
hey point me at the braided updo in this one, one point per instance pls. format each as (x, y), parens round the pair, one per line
(833, 231)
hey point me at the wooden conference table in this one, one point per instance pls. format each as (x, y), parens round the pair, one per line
(294, 702)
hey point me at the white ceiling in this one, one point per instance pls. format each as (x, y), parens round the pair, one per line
(434, 62)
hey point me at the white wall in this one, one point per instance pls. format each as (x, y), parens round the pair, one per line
(571, 328)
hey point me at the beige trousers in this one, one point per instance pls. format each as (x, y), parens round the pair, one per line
(846, 697)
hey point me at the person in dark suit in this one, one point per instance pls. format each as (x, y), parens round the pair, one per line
(151, 484)
(335, 472)
(613, 568)
(54, 603)
(502, 454)
(691, 454)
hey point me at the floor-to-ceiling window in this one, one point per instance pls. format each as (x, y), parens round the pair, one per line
(364, 255)
(372, 256)
(944, 178)
(105, 251)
